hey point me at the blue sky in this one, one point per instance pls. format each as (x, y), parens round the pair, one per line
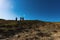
(47, 10)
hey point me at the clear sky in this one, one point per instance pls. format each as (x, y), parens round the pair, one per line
(47, 10)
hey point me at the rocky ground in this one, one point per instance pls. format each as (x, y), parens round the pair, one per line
(34, 30)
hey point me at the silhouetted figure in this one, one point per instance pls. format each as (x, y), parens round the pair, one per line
(21, 18)
(16, 18)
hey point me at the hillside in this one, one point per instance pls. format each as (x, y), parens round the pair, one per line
(29, 30)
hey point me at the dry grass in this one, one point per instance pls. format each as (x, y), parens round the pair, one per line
(32, 29)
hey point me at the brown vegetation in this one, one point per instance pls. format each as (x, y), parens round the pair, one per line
(29, 30)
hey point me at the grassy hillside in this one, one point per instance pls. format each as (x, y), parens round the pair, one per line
(29, 30)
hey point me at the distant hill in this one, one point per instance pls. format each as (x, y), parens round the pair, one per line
(2, 19)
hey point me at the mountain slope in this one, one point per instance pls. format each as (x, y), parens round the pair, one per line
(30, 30)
